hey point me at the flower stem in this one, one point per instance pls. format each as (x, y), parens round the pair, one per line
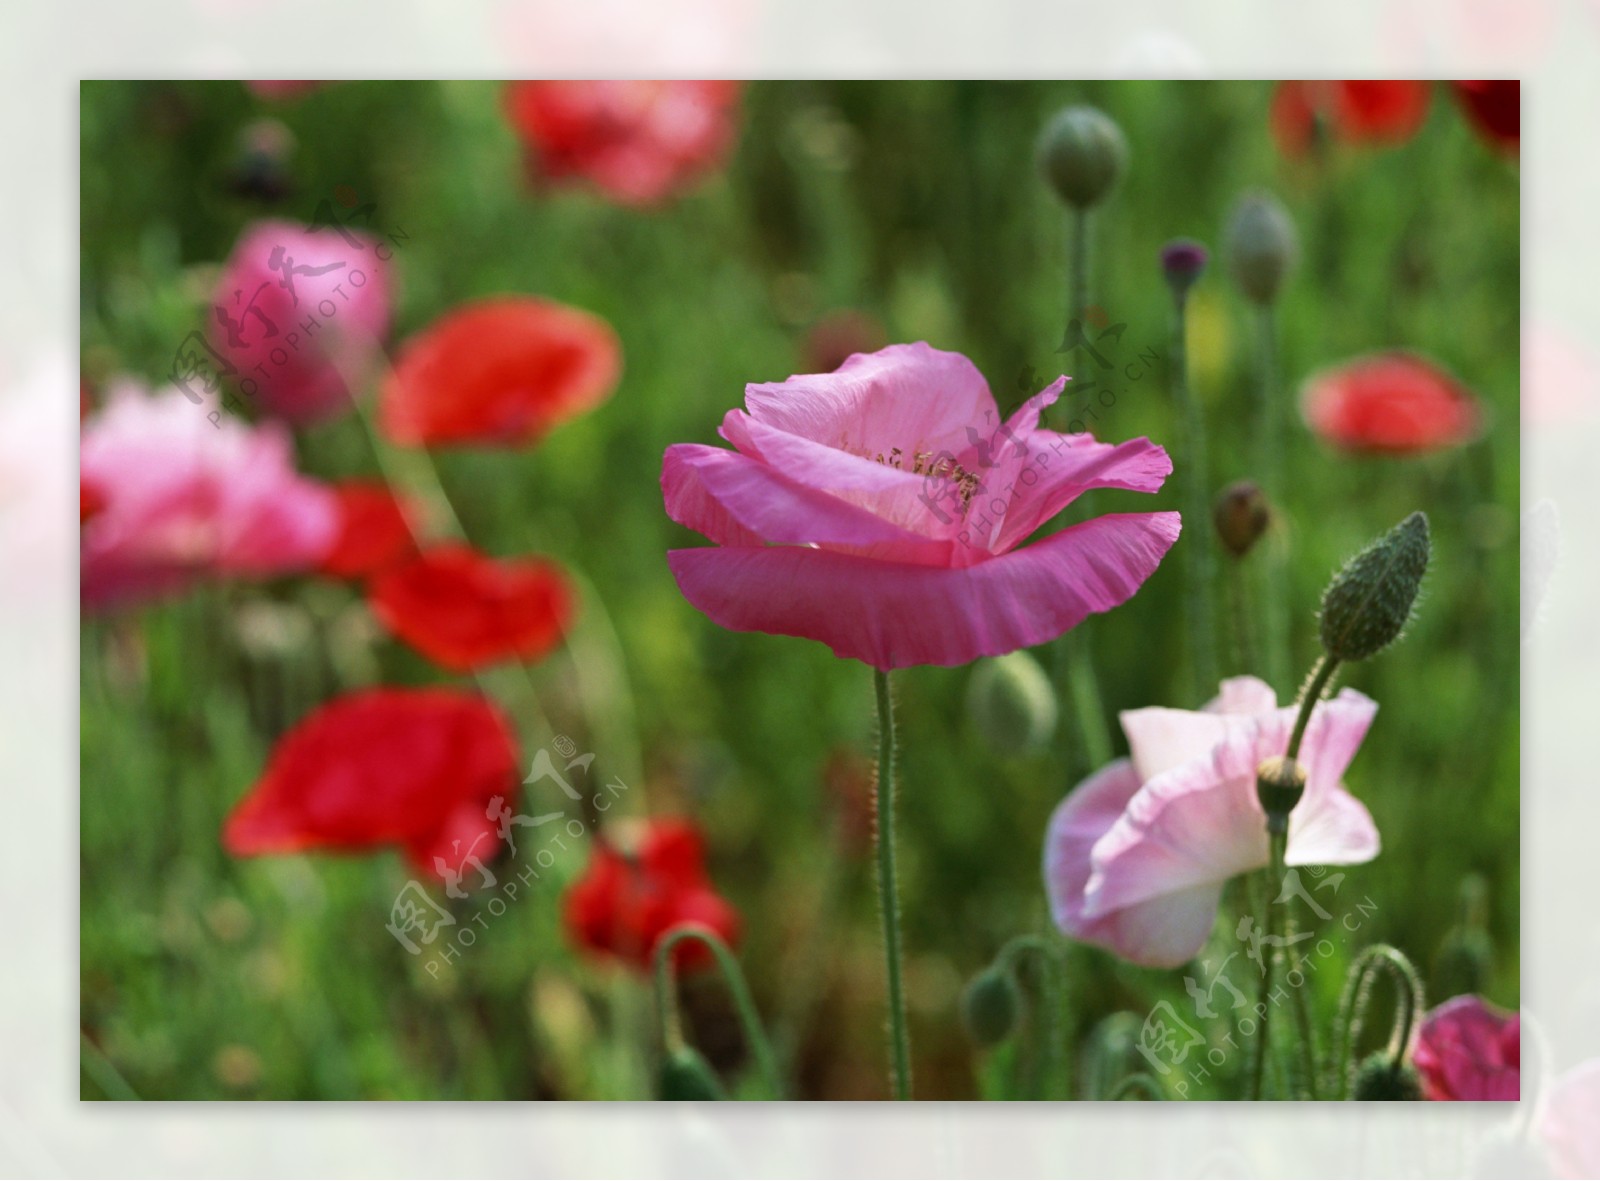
(1243, 621)
(1197, 562)
(1045, 1049)
(888, 889)
(1275, 599)
(1321, 674)
(1077, 267)
(749, 1019)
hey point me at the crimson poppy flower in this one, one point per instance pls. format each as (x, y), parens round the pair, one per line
(1355, 111)
(91, 500)
(1396, 403)
(639, 142)
(1495, 109)
(374, 530)
(464, 610)
(1468, 1051)
(499, 372)
(626, 900)
(415, 768)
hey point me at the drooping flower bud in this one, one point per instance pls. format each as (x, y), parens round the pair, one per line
(1369, 602)
(686, 1075)
(1280, 782)
(989, 1006)
(1082, 153)
(1382, 1079)
(1241, 515)
(1261, 246)
(1183, 261)
(1011, 702)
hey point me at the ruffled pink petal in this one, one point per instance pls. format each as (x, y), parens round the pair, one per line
(1060, 468)
(1570, 1122)
(742, 501)
(892, 615)
(1333, 736)
(1164, 932)
(910, 396)
(1331, 827)
(1243, 695)
(1160, 739)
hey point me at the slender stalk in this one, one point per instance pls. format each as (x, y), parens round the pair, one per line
(1077, 267)
(749, 1019)
(1305, 1034)
(1044, 1050)
(1198, 607)
(1321, 674)
(889, 891)
(1270, 415)
(1379, 959)
(1263, 1043)
(1244, 648)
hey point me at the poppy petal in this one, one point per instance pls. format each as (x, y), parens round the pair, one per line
(374, 530)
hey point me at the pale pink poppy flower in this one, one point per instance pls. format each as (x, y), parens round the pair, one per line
(1569, 1124)
(1135, 858)
(185, 499)
(881, 509)
(1467, 1050)
(299, 312)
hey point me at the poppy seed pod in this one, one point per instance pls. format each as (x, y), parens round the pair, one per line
(989, 1006)
(1382, 1079)
(1012, 703)
(1369, 602)
(1082, 154)
(1280, 783)
(1241, 515)
(1261, 246)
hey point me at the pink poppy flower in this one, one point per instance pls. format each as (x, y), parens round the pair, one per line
(183, 499)
(299, 312)
(1567, 1124)
(639, 142)
(1136, 856)
(1396, 403)
(881, 509)
(1468, 1050)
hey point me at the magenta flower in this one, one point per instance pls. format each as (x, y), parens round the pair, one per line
(1136, 856)
(1469, 1050)
(299, 312)
(881, 509)
(183, 499)
(1567, 1123)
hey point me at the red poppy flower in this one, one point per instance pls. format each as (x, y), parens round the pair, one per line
(639, 142)
(90, 500)
(410, 767)
(625, 901)
(463, 610)
(1495, 109)
(1358, 111)
(500, 372)
(374, 530)
(1390, 402)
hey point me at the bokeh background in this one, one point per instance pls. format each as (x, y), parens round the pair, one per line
(916, 207)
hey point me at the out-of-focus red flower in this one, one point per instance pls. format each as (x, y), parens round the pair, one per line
(464, 610)
(374, 530)
(626, 900)
(1357, 111)
(1396, 402)
(90, 500)
(417, 768)
(838, 336)
(499, 372)
(1468, 1050)
(1495, 109)
(639, 142)
(300, 312)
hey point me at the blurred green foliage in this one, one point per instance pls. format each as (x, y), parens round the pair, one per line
(917, 202)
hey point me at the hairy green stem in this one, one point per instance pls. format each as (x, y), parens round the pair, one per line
(1045, 1052)
(1379, 959)
(1321, 674)
(749, 1019)
(888, 890)
(1263, 1042)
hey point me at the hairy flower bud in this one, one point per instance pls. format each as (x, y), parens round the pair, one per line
(989, 1006)
(1082, 153)
(1183, 261)
(1241, 515)
(1382, 1079)
(1012, 703)
(1369, 602)
(686, 1075)
(1261, 246)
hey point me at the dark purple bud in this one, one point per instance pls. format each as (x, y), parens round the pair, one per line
(1183, 260)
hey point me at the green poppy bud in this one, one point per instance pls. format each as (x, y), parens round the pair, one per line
(1082, 154)
(1012, 703)
(1382, 1079)
(1369, 602)
(989, 1006)
(686, 1075)
(1261, 246)
(1241, 515)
